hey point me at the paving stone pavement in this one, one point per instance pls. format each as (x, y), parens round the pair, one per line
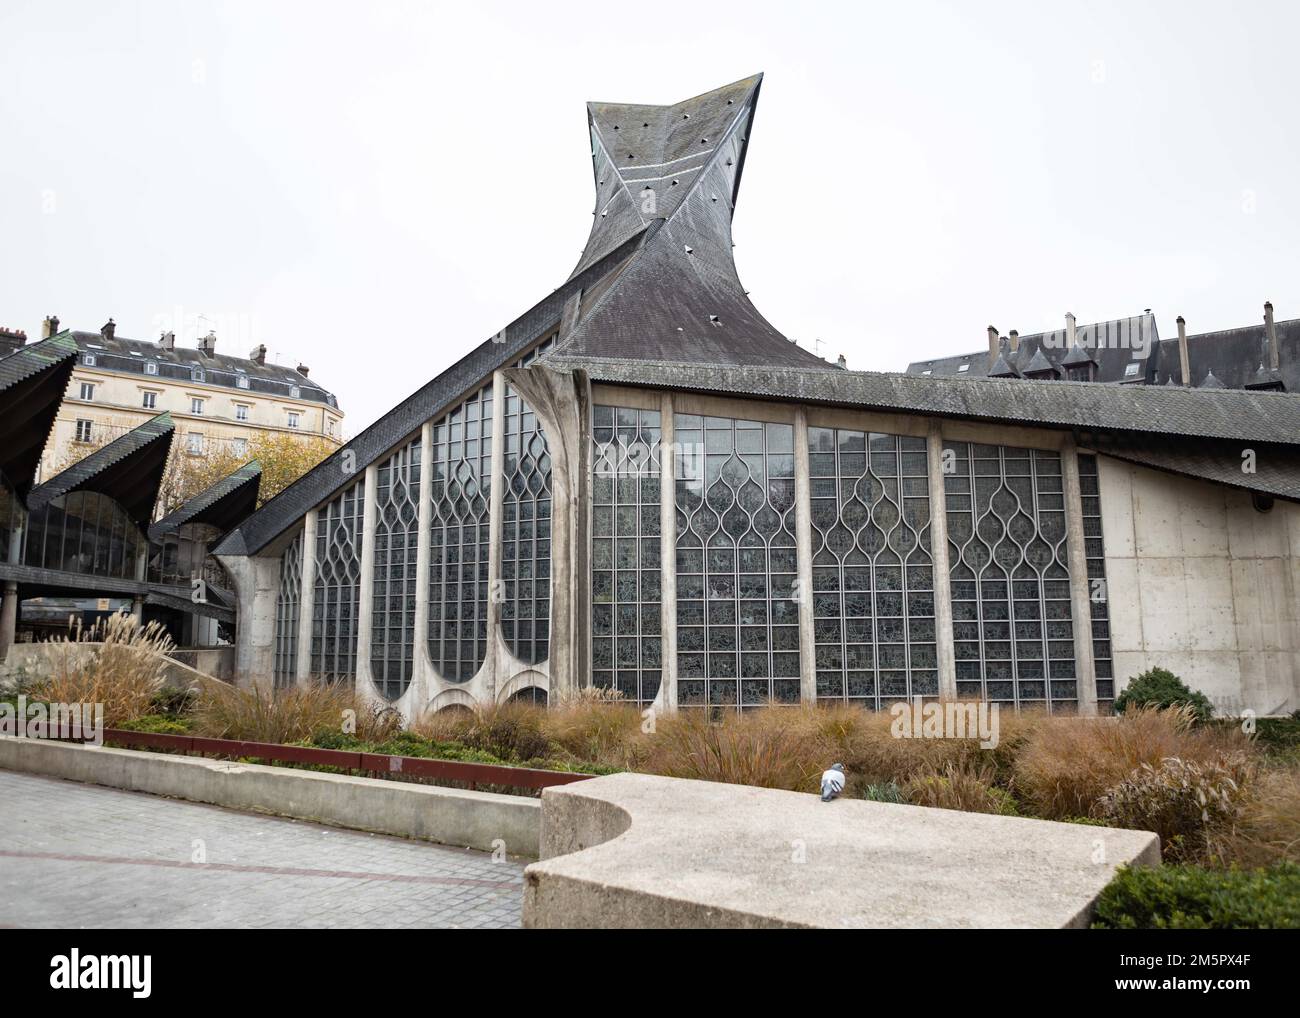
(80, 856)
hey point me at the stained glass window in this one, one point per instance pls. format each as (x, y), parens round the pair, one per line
(1010, 578)
(458, 569)
(287, 608)
(873, 578)
(397, 525)
(525, 534)
(626, 570)
(1098, 593)
(336, 605)
(737, 614)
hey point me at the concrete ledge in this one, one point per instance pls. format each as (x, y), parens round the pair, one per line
(449, 816)
(633, 850)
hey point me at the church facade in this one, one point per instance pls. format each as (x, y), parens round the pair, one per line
(640, 484)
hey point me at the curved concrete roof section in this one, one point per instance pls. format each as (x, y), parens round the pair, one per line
(670, 174)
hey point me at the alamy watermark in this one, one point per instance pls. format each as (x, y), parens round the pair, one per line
(79, 722)
(950, 719)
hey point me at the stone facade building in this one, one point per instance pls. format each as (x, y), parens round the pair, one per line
(641, 484)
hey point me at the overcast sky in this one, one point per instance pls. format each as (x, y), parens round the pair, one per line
(373, 188)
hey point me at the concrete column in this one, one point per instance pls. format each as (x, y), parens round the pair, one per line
(561, 401)
(422, 673)
(137, 609)
(1080, 592)
(939, 557)
(306, 597)
(363, 681)
(8, 617)
(803, 546)
(666, 701)
(496, 501)
(257, 585)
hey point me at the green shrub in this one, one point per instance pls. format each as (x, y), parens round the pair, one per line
(174, 701)
(1161, 688)
(162, 724)
(885, 791)
(1190, 897)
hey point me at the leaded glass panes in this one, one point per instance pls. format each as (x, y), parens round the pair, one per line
(1010, 578)
(1098, 593)
(626, 569)
(525, 534)
(737, 617)
(459, 488)
(84, 532)
(872, 575)
(397, 524)
(336, 607)
(287, 608)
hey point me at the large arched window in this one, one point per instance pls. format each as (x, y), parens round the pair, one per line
(397, 527)
(287, 613)
(84, 532)
(336, 607)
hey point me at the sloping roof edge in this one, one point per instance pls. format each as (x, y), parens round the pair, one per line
(225, 489)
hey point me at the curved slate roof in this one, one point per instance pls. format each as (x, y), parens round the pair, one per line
(129, 470)
(32, 382)
(222, 505)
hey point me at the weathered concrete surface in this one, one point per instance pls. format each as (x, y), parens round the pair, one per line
(633, 850)
(449, 816)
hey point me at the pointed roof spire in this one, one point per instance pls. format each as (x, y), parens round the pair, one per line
(1210, 381)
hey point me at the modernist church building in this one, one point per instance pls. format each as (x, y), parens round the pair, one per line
(641, 484)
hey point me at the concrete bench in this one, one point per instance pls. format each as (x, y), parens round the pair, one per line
(634, 850)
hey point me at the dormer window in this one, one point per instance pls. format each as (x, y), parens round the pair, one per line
(88, 359)
(196, 374)
(1131, 369)
(151, 367)
(295, 391)
(242, 381)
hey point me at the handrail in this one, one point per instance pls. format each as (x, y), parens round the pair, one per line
(371, 763)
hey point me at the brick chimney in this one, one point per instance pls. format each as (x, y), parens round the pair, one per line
(167, 340)
(107, 329)
(11, 340)
(1270, 330)
(50, 327)
(258, 354)
(208, 344)
(993, 345)
(303, 370)
(1184, 359)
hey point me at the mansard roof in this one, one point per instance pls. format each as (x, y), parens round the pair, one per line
(32, 382)
(221, 505)
(129, 470)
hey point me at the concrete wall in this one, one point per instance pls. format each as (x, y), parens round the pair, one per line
(449, 816)
(1203, 584)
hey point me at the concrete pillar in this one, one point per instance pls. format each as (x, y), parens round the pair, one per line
(803, 548)
(939, 557)
(306, 597)
(1080, 592)
(561, 401)
(363, 681)
(257, 585)
(496, 501)
(666, 701)
(137, 609)
(422, 673)
(8, 617)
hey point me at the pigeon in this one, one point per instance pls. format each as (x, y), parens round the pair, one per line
(832, 782)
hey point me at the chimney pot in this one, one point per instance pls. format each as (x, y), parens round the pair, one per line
(167, 341)
(208, 344)
(50, 327)
(1184, 360)
(107, 329)
(842, 362)
(258, 354)
(1270, 331)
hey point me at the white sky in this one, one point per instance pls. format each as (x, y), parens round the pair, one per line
(374, 188)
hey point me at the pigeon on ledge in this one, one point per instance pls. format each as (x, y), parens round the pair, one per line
(832, 782)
